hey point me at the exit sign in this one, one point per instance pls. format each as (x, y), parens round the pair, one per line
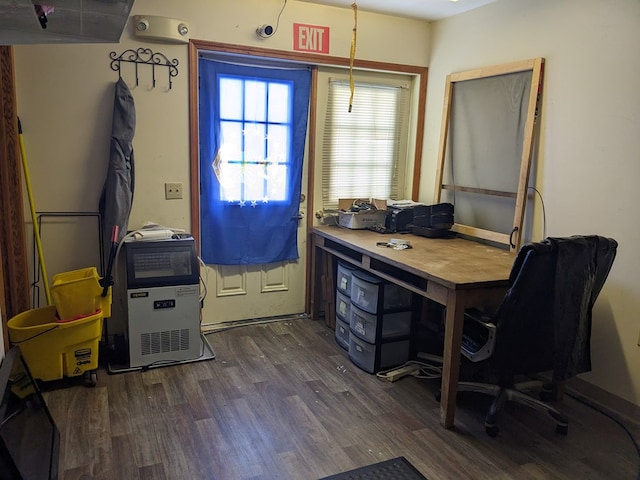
(310, 38)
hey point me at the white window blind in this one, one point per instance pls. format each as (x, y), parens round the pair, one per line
(362, 148)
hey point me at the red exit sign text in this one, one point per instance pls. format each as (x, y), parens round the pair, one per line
(310, 38)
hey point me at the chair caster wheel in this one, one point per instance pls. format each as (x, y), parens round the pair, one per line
(492, 430)
(562, 429)
(546, 395)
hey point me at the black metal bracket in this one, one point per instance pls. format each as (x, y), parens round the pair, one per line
(511, 235)
(146, 57)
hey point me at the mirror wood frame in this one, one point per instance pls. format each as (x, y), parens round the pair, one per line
(512, 239)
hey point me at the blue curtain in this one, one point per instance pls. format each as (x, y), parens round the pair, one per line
(251, 233)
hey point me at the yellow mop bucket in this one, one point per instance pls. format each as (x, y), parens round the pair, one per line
(63, 339)
(78, 293)
(53, 349)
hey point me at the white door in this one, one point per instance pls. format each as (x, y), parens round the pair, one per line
(243, 292)
(257, 114)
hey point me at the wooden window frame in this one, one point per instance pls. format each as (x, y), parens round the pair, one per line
(341, 169)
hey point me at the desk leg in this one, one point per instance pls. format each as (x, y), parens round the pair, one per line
(315, 292)
(329, 292)
(321, 286)
(454, 322)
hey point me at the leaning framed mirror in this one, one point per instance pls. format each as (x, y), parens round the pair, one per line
(486, 148)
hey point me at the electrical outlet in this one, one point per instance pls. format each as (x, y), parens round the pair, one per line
(172, 190)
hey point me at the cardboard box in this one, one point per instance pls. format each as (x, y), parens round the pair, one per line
(364, 218)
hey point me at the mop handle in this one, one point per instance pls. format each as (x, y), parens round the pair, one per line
(36, 229)
(114, 245)
(114, 235)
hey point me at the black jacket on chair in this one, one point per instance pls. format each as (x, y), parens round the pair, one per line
(544, 320)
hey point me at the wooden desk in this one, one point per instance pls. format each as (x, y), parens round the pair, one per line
(454, 272)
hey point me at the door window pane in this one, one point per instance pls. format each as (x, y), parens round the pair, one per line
(255, 131)
(229, 106)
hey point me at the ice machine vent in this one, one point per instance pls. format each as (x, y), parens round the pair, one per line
(152, 343)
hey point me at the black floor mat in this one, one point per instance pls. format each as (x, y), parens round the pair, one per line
(394, 469)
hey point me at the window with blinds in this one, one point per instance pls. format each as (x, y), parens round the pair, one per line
(363, 152)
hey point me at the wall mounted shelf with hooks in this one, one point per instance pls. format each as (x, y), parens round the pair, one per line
(144, 56)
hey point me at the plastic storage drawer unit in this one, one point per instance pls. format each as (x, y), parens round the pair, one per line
(372, 294)
(343, 278)
(343, 306)
(371, 328)
(373, 358)
(342, 333)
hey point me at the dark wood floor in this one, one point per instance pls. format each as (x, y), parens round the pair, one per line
(283, 401)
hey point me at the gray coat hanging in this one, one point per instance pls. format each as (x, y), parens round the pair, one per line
(117, 194)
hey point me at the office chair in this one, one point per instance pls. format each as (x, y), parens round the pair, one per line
(543, 323)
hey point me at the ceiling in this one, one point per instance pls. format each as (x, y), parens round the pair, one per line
(86, 21)
(421, 9)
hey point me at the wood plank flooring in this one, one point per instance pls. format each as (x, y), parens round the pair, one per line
(282, 401)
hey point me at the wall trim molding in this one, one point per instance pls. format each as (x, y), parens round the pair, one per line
(14, 281)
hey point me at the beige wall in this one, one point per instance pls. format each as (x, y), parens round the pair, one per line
(65, 97)
(589, 162)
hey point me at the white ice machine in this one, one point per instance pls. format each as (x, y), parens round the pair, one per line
(163, 302)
